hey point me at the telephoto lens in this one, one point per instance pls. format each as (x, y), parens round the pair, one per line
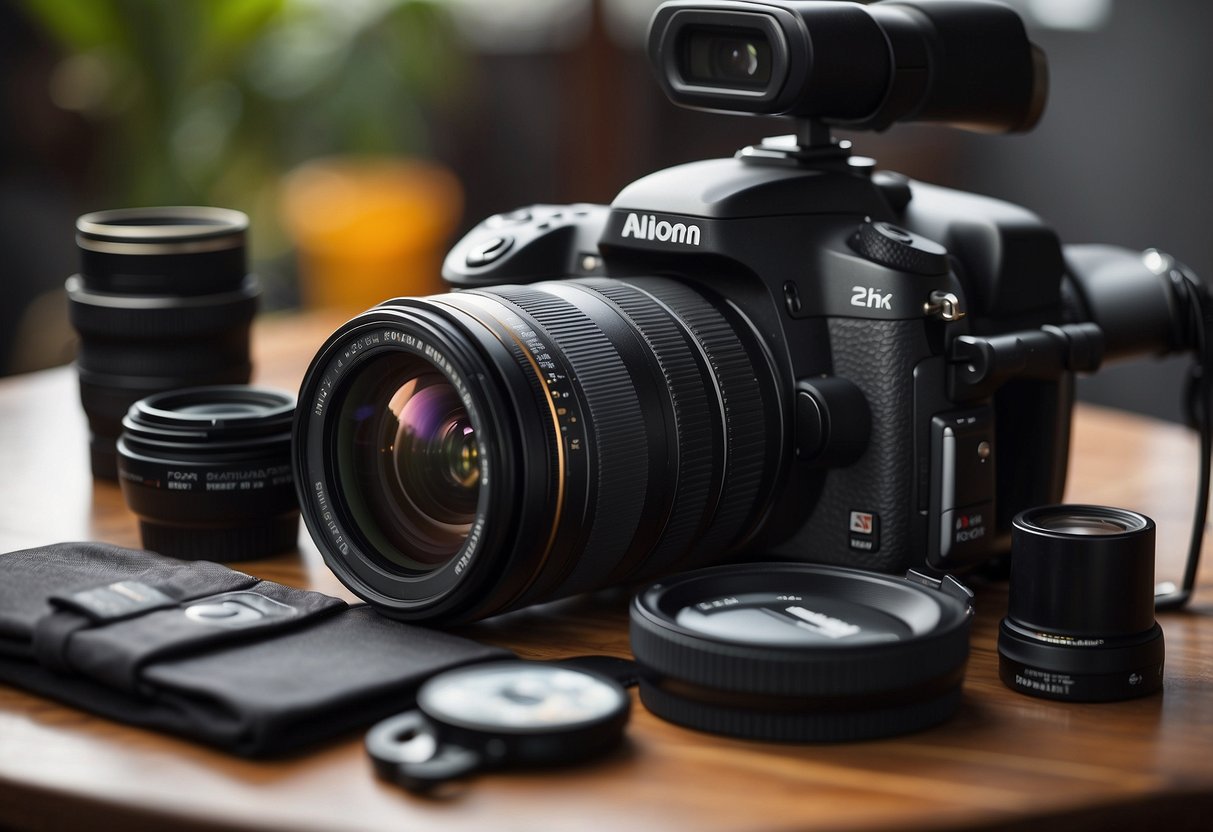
(1080, 622)
(208, 472)
(163, 301)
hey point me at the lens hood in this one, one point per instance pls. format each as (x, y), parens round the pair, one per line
(801, 653)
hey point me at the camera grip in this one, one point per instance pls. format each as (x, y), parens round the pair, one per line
(879, 358)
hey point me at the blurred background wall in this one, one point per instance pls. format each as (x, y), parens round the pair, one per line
(364, 135)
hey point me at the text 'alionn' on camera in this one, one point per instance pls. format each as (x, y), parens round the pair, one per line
(785, 353)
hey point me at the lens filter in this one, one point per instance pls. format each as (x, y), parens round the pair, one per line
(500, 715)
(801, 653)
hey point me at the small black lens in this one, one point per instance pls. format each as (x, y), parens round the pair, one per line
(162, 302)
(207, 470)
(727, 58)
(407, 453)
(1080, 620)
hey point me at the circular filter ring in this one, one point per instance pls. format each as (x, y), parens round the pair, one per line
(801, 653)
(501, 714)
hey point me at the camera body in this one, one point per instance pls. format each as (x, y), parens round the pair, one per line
(858, 284)
(786, 352)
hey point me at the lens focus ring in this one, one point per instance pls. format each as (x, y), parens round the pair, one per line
(620, 440)
(742, 402)
(699, 439)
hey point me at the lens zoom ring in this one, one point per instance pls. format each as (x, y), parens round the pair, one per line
(698, 457)
(619, 437)
(741, 401)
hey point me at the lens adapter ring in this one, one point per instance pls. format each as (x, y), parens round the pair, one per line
(181, 250)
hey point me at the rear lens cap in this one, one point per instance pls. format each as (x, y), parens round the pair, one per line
(801, 653)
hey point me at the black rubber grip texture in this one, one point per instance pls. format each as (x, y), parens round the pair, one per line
(879, 358)
(807, 726)
(697, 418)
(771, 671)
(879, 247)
(743, 405)
(616, 434)
(147, 317)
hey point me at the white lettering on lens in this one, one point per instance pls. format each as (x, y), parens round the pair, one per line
(647, 227)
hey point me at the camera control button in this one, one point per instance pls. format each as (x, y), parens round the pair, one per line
(894, 247)
(522, 215)
(487, 251)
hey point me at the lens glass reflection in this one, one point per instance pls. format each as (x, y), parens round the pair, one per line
(409, 461)
(729, 58)
(1091, 525)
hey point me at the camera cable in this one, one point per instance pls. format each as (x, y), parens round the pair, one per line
(1199, 307)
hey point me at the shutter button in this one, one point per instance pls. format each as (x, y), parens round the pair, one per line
(484, 253)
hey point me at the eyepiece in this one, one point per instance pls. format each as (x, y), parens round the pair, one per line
(964, 62)
(741, 59)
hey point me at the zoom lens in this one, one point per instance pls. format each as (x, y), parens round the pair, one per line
(207, 470)
(162, 302)
(466, 454)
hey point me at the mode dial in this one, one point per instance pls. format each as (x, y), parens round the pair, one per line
(893, 246)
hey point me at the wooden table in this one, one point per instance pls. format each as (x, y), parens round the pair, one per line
(1006, 761)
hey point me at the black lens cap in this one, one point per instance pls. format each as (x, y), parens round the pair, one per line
(801, 653)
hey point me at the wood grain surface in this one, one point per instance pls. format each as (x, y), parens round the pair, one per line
(1005, 762)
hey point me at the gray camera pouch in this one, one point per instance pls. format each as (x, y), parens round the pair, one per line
(200, 650)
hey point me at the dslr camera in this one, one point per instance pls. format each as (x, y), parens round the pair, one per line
(787, 352)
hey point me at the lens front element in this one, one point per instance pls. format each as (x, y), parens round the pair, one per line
(407, 452)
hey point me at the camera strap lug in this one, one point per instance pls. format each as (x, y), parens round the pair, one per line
(943, 305)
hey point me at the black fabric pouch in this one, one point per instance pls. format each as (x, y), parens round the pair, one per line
(201, 650)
